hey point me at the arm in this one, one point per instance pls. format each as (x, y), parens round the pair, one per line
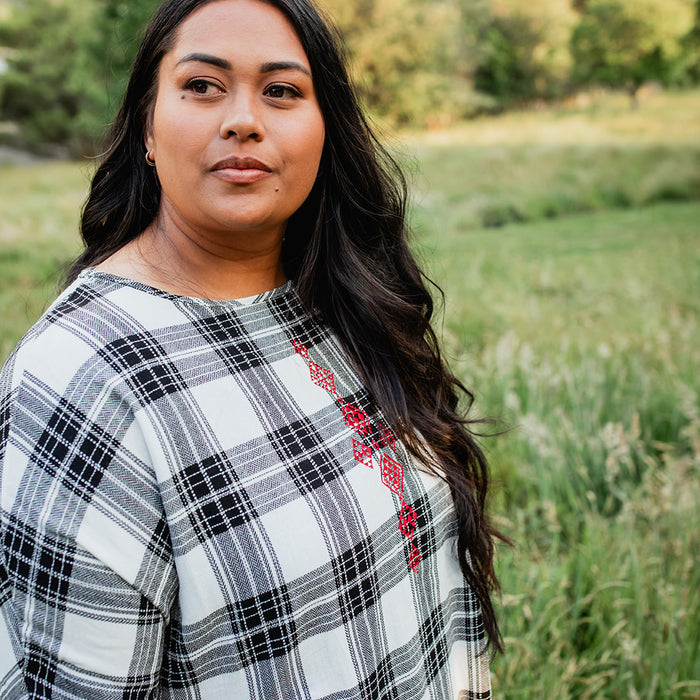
(86, 576)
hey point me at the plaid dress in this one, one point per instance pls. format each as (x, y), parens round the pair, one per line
(201, 500)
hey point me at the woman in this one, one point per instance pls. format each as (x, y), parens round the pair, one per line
(232, 465)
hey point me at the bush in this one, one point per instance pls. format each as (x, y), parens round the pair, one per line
(68, 62)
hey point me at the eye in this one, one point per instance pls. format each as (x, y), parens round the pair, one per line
(280, 91)
(199, 86)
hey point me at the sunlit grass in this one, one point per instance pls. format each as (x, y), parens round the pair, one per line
(526, 166)
(40, 207)
(41, 203)
(582, 334)
(595, 119)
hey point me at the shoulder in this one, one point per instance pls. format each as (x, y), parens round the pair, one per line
(97, 312)
(67, 415)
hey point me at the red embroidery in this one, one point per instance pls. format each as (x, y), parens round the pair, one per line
(407, 520)
(386, 437)
(392, 474)
(322, 377)
(356, 419)
(362, 453)
(301, 350)
(414, 557)
(359, 421)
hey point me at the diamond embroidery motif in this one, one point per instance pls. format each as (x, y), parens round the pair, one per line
(360, 422)
(301, 349)
(362, 453)
(356, 419)
(386, 437)
(322, 377)
(414, 558)
(407, 520)
(392, 474)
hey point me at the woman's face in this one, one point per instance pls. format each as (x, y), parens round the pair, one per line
(236, 131)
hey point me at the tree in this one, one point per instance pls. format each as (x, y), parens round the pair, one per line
(119, 27)
(689, 65)
(527, 52)
(45, 88)
(625, 43)
(68, 63)
(408, 58)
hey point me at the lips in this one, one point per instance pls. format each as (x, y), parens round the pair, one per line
(241, 163)
(239, 170)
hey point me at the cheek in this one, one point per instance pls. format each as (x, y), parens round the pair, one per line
(176, 133)
(308, 151)
(320, 140)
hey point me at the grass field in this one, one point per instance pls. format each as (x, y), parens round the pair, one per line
(582, 335)
(568, 245)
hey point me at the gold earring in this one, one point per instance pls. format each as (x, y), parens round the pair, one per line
(150, 160)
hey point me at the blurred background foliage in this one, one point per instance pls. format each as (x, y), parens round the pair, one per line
(418, 63)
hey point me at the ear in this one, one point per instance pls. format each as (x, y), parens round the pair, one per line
(148, 140)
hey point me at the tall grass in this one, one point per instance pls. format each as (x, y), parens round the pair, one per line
(581, 334)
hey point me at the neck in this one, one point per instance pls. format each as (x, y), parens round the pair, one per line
(182, 262)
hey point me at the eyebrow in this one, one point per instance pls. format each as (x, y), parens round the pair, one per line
(205, 58)
(269, 67)
(284, 65)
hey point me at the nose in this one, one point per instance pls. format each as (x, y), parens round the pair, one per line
(242, 118)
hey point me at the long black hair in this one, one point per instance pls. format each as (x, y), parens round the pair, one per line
(346, 248)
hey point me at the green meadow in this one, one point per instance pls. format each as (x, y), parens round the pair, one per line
(567, 243)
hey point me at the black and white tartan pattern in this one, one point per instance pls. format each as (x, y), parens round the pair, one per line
(189, 512)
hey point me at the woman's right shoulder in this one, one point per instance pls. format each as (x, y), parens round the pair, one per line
(78, 329)
(52, 340)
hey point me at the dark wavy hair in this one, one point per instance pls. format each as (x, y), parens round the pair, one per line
(346, 249)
